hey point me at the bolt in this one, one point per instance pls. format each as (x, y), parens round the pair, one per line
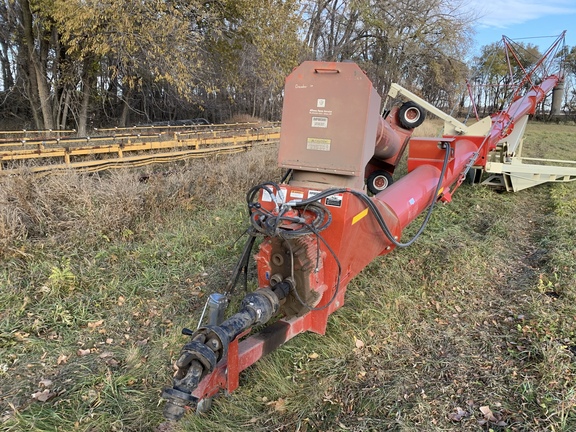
(214, 344)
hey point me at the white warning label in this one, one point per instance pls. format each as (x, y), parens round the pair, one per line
(299, 195)
(312, 193)
(320, 122)
(279, 197)
(320, 144)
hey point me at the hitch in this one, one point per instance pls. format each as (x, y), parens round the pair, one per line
(210, 344)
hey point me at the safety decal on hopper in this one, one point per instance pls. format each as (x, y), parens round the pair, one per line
(299, 195)
(311, 193)
(278, 197)
(320, 122)
(321, 144)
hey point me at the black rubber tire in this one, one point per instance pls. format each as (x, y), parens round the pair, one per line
(378, 180)
(411, 115)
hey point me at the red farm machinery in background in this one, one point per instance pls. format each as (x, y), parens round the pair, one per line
(334, 212)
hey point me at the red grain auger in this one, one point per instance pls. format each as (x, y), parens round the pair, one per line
(335, 211)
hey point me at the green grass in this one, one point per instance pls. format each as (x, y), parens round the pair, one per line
(99, 275)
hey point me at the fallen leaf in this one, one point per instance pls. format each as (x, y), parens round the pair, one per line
(313, 356)
(167, 426)
(62, 359)
(95, 324)
(21, 336)
(112, 362)
(43, 396)
(45, 383)
(279, 405)
(83, 352)
(106, 354)
(121, 300)
(485, 410)
(488, 415)
(91, 396)
(458, 415)
(359, 344)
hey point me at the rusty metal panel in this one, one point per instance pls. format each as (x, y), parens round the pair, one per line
(329, 119)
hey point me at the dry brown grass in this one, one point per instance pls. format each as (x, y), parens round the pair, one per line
(36, 207)
(107, 204)
(245, 118)
(430, 128)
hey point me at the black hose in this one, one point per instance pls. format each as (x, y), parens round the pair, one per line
(370, 204)
(269, 224)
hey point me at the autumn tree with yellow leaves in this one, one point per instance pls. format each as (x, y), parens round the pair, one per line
(89, 63)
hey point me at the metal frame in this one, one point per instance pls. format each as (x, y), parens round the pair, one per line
(502, 160)
(145, 150)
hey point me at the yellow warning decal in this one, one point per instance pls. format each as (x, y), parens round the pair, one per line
(359, 216)
(319, 144)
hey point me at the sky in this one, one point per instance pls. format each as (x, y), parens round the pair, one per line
(519, 19)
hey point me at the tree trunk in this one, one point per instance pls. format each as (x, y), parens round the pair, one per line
(7, 77)
(83, 115)
(32, 92)
(42, 87)
(64, 117)
(124, 117)
(86, 90)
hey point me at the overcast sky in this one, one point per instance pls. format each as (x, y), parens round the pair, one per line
(525, 19)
